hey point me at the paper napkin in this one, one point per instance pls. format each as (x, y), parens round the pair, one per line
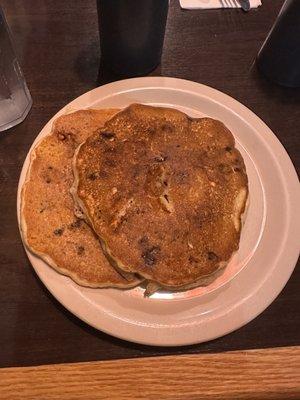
(206, 4)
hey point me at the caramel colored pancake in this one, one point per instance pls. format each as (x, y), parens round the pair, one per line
(164, 192)
(49, 226)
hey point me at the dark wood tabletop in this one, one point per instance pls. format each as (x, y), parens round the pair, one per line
(58, 46)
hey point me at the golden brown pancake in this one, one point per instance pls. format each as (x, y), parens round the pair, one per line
(49, 226)
(165, 193)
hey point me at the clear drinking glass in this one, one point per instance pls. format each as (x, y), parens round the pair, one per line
(15, 99)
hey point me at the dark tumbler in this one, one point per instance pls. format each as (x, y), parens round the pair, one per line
(132, 34)
(279, 57)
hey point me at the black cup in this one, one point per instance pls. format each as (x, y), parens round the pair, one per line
(279, 57)
(131, 34)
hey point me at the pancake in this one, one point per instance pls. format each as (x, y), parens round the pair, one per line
(164, 192)
(48, 224)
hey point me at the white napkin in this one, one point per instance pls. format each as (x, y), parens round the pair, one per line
(205, 4)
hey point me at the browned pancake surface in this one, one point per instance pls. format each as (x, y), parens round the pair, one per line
(164, 191)
(49, 226)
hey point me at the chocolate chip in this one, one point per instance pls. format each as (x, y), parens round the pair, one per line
(212, 256)
(150, 254)
(160, 158)
(48, 180)
(228, 148)
(75, 224)
(80, 250)
(92, 176)
(50, 168)
(166, 197)
(58, 231)
(107, 135)
(237, 169)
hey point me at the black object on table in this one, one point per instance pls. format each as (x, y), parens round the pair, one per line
(279, 57)
(132, 34)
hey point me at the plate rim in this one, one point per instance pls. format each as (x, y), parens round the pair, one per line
(247, 116)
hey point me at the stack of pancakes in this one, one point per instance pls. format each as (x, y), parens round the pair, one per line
(112, 198)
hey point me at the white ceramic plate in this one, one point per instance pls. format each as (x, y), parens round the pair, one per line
(269, 244)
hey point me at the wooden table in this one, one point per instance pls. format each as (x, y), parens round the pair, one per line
(58, 46)
(253, 374)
